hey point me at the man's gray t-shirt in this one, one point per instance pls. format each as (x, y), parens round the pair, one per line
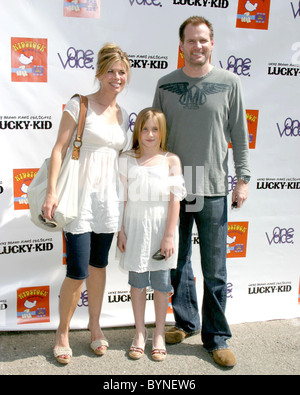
(203, 115)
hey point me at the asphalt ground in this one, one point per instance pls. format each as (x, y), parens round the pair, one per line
(261, 348)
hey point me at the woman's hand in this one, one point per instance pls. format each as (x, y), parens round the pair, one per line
(49, 206)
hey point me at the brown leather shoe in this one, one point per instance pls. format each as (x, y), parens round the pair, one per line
(175, 335)
(224, 357)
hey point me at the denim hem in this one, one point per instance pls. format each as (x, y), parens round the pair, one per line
(76, 278)
(195, 332)
(216, 348)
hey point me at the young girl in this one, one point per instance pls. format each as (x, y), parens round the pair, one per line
(148, 239)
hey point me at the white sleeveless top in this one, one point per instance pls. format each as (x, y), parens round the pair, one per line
(100, 208)
(148, 189)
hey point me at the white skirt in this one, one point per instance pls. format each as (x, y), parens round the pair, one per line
(144, 226)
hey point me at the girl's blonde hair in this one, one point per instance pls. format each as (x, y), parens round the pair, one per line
(107, 56)
(142, 118)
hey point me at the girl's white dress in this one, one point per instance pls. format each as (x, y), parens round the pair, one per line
(100, 206)
(145, 217)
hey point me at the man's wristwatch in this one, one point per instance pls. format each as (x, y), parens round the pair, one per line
(246, 179)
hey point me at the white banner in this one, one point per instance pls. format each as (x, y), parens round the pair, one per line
(48, 52)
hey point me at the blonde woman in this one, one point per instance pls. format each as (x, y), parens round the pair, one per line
(89, 236)
(148, 239)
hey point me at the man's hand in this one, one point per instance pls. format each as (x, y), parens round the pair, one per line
(240, 193)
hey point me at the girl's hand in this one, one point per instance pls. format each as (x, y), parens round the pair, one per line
(167, 247)
(121, 241)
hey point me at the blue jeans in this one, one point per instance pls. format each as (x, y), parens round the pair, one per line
(212, 226)
(159, 280)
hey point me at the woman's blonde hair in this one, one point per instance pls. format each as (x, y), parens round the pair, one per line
(142, 118)
(108, 55)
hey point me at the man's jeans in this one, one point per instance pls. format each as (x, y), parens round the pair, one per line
(212, 226)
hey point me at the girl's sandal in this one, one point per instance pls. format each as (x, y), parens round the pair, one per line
(62, 355)
(138, 352)
(135, 352)
(159, 354)
(99, 346)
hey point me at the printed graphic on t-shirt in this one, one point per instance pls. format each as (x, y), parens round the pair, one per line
(192, 97)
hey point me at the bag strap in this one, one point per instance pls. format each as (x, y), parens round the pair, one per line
(81, 122)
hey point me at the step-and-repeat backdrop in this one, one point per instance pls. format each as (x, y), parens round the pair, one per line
(48, 52)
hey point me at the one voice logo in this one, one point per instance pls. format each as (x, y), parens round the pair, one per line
(77, 59)
(238, 66)
(155, 3)
(281, 236)
(290, 128)
(295, 10)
